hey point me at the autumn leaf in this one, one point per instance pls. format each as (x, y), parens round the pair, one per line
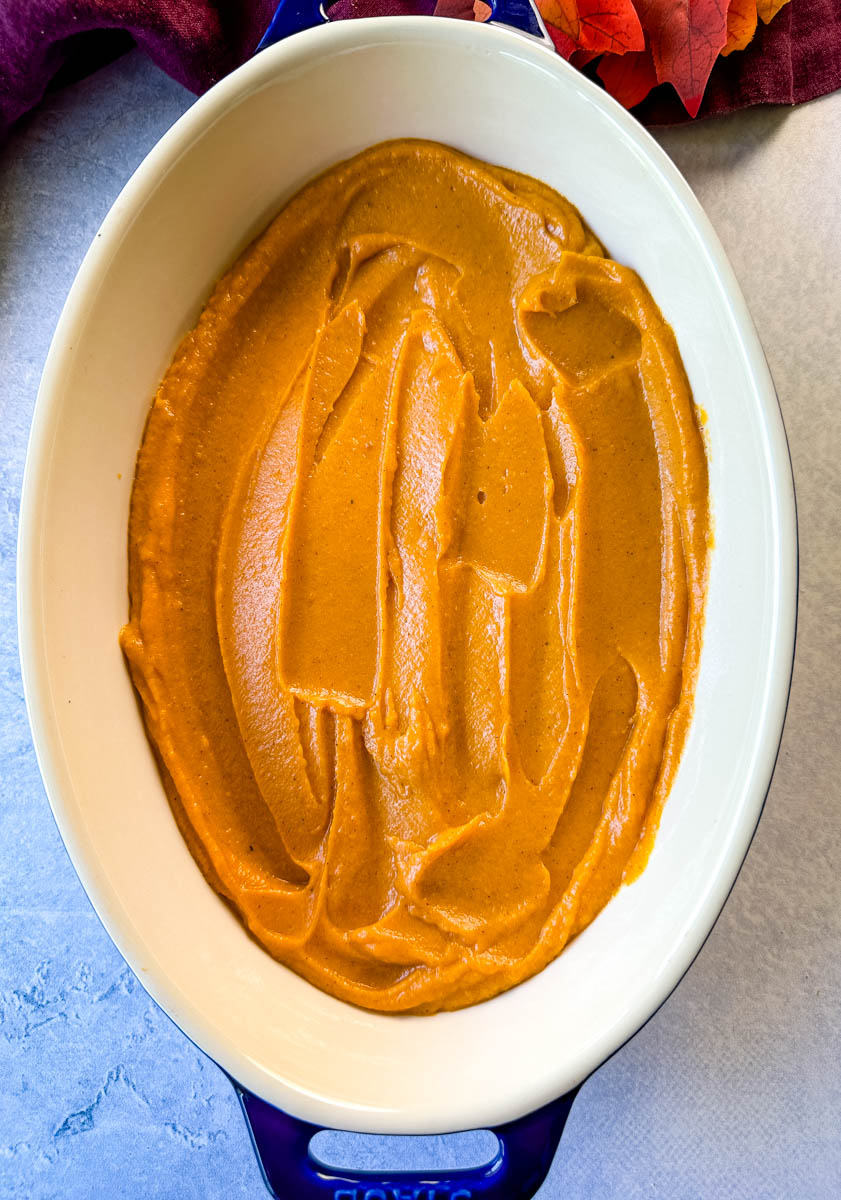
(641, 43)
(562, 42)
(569, 50)
(741, 25)
(686, 37)
(563, 15)
(604, 26)
(628, 77)
(582, 57)
(768, 9)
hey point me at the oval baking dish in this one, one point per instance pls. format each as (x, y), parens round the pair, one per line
(212, 182)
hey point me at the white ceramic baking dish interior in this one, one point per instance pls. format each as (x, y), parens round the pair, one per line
(206, 189)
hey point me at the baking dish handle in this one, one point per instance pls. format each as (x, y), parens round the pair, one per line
(293, 16)
(524, 1156)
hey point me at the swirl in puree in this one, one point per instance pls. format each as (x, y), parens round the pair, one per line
(418, 554)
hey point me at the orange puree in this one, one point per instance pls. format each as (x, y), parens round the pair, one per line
(418, 555)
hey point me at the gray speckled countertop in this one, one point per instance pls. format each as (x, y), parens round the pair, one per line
(734, 1088)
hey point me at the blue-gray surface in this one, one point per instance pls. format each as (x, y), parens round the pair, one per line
(734, 1088)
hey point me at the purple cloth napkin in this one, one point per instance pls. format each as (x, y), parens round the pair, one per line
(46, 43)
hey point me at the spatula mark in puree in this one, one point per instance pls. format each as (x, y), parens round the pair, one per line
(328, 609)
(381, 282)
(575, 323)
(610, 723)
(503, 533)
(428, 399)
(317, 733)
(359, 869)
(248, 571)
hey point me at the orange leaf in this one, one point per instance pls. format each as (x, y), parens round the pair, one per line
(741, 25)
(628, 78)
(604, 26)
(768, 9)
(563, 14)
(686, 37)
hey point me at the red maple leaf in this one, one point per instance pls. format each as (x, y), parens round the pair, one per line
(628, 77)
(686, 37)
(562, 42)
(581, 57)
